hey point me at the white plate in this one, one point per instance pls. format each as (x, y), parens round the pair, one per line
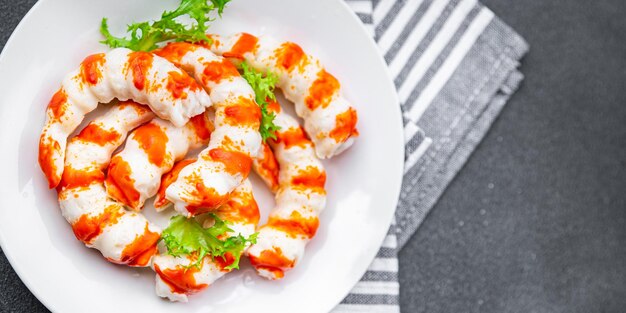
(363, 183)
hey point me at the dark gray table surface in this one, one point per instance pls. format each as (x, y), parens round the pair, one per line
(536, 220)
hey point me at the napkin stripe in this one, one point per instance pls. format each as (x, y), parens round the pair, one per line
(413, 32)
(371, 298)
(424, 43)
(390, 241)
(400, 23)
(425, 96)
(386, 253)
(378, 290)
(388, 17)
(438, 36)
(367, 308)
(380, 276)
(380, 10)
(452, 82)
(384, 265)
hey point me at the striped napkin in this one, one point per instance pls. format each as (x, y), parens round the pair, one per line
(454, 65)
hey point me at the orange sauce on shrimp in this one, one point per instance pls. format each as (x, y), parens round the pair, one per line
(345, 126)
(290, 56)
(203, 199)
(168, 179)
(180, 279)
(272, 258)
(296, 225)
(58, 104)
(246, 43)
(224, 261)
(87, 227)
(245, 112)
(73, 178)
(140, 251)
(241, 207)
(120, 185)
(217, 70)
(268, 167)
(292, 137)
(202, 126)
(139, 63)
(90, 68)
(178, 83)
(153, 141)
(310, 177)
(234, 162)
(175, 51)
(94, 133)
(46, 152)
(321, 91)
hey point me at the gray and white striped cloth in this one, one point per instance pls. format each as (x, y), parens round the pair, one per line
(454, 65)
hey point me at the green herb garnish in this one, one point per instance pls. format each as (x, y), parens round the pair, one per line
(185, 236)
(144, 36)
(263, 86)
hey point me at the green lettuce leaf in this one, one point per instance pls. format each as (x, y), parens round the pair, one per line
(263, 86)
(185, 236)
(145, 36)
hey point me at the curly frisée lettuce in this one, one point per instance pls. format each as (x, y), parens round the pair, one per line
(185, 236)
(144, 36)
(263, 86)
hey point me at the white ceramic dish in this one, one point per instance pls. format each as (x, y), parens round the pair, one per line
(363, 183)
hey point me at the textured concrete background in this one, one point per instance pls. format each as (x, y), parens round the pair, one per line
(536, 221)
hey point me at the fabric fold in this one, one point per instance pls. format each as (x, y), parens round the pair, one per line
(454, 64)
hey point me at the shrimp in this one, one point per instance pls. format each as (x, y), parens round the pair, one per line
(176, 280)
(266, 167)
(297, 178)
(134, 174)
(264, 164)
(122, 237)
(206, 184)
(299, 200)
(160, 202)
(123, 74)
(329, 119)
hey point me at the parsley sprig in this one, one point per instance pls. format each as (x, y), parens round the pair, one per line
(185, 236)
(263, 86)
(144, 36)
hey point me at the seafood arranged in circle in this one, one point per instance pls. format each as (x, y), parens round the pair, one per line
(176, 276)
(134, 174)
(122, 237)
(123, 74)
(204, 93)
(329, 119)
(300, 198)
(226, 162)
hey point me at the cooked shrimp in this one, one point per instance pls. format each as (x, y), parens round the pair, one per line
(175, 280)
(122, 237)
(329, 119)
(266, 166)
(299, 200)
(206, 184)
(123, 74)
(134, 174)
(160, 202)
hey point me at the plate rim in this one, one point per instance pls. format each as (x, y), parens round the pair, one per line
(399, 130)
